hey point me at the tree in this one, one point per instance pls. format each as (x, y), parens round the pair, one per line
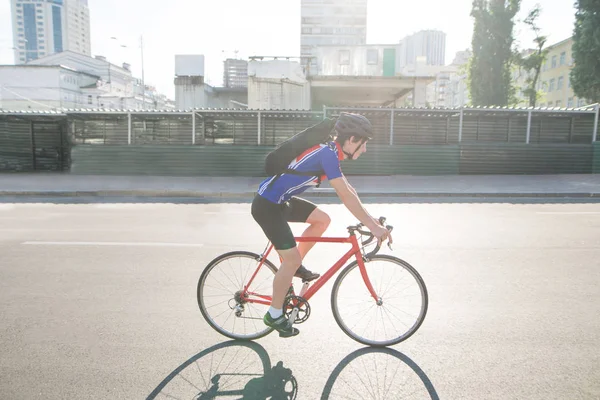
(585, 74)
(489, 77)
(533, 62)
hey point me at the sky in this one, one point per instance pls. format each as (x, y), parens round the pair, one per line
(218, 28)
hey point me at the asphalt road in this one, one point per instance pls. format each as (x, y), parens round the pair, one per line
(98, 301)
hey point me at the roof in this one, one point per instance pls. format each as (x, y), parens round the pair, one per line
(49, 66)
(558, 43)
(64, 111)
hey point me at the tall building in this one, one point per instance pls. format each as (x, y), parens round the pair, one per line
(44, 27)
(235, 73)
(331, 22)
(430, 44)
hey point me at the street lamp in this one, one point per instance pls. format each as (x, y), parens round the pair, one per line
(142, 56)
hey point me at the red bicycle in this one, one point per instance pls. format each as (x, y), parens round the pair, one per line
(385, 294)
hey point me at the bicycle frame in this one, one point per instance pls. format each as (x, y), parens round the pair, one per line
(314, 288)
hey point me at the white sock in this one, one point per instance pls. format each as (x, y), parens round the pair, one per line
(275, 312)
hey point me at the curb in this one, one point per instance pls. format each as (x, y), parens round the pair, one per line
(183, 193)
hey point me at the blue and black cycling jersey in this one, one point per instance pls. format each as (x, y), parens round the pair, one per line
(322, 157)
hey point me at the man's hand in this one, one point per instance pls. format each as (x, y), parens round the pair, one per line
(381, 233)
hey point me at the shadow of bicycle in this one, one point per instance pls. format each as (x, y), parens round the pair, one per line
(229, 370)
(378, 373)
(242, 370)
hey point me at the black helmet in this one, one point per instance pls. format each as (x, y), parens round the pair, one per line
(349, 124)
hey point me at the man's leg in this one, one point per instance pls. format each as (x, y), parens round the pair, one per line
(283, 277)
(271, 218)
(304, 211)
(319, 222)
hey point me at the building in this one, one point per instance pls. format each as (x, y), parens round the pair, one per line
(275, 84)
(45, 87)
(235, 73)
(191, 90)
(73, 80)
(456, 88)
(430, 44)
(438, 90)
(45, 27)
(554, 84)
(331, 22)
(366, 75)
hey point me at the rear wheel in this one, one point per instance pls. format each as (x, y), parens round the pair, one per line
(221, 296)
(398, 313)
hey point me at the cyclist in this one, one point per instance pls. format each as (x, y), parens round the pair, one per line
(276, 204)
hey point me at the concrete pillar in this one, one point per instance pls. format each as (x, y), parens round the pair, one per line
(419, 94)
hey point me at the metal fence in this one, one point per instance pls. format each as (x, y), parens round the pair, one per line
(392, 126)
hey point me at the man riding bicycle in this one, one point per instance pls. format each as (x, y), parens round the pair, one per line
(276, 204)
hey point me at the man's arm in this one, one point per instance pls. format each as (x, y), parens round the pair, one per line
(349, 197)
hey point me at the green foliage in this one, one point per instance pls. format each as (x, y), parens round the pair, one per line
(489, 75)
(532, 63)
(585, 75)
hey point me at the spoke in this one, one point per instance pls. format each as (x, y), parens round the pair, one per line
(401, 321)
(214, 305)
(214, 278)
(402, 311)
(391, 322)
(403, 289)
(369, 319)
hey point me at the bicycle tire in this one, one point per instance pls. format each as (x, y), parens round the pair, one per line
(200, 290)
(380, 257)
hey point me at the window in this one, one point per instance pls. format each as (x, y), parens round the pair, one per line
(570, 102)
(558, 103)
(306, 30)
(372, 56)
(553, 61)
(550, 104)
(90, 99)
(551, 89)
(559, 85)
(344, 57)
(563, 58)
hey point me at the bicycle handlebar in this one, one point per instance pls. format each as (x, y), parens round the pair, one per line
(370, 236)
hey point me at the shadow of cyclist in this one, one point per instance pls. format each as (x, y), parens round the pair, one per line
(232, 369)
(378, 373)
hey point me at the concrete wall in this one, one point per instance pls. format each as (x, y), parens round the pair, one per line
(277, 85)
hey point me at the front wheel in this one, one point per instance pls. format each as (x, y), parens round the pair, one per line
(223, 301)
(399, 310)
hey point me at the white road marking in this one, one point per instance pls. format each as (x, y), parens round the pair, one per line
(147, 244)
(569, 212)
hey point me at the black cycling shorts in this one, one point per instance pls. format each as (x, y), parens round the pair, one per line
(273, 219)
